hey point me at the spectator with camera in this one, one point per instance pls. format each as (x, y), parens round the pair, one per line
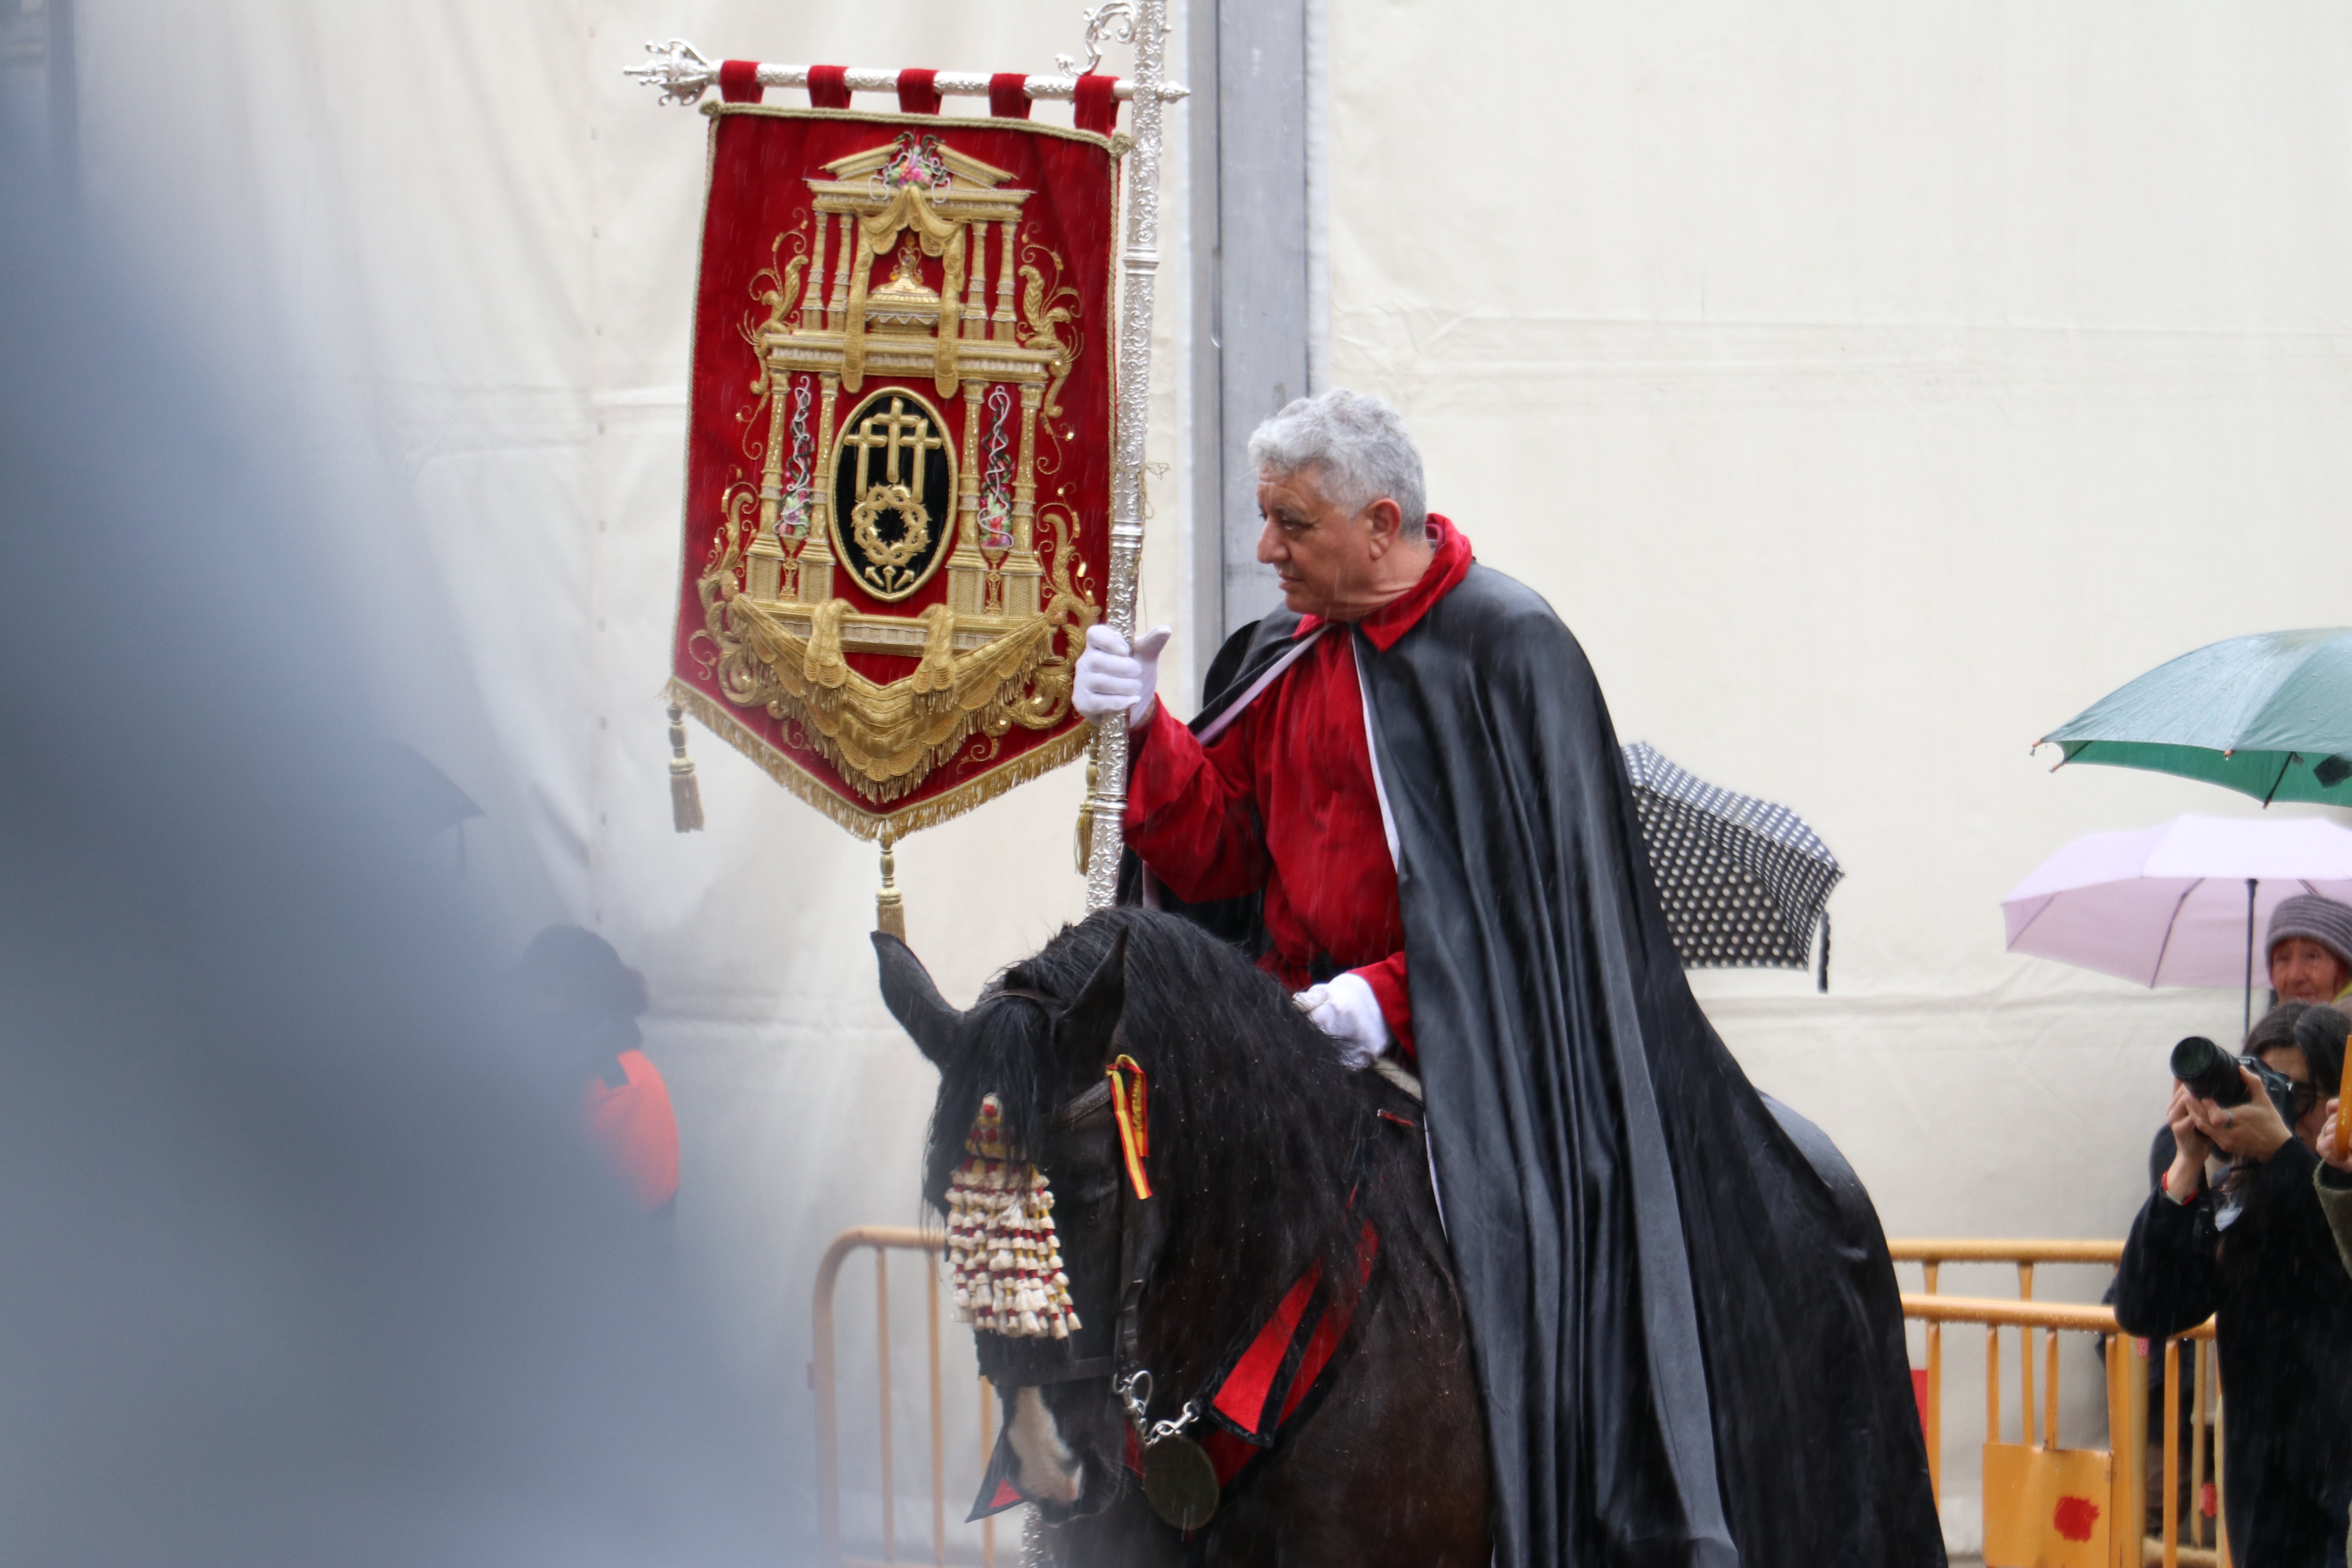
(2253, 1248)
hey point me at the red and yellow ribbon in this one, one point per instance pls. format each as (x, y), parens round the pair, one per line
(1130, 1107)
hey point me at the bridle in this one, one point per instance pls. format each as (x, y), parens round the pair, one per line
(1174, 1468)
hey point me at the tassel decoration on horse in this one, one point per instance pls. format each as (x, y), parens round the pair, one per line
(1004, 1261)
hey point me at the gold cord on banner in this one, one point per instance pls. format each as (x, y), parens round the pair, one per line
(684, 793)
(1131, 1109)
(890, 910)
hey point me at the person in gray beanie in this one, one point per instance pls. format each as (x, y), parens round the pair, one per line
(2310, 948)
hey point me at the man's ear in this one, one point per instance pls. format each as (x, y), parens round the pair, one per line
(1384, 522)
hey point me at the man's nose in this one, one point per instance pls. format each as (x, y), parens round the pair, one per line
(1269, 543)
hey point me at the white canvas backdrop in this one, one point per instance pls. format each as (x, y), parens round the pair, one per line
(1872, 388)
(1869, 388)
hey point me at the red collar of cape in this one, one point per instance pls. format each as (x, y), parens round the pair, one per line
(1449, 564)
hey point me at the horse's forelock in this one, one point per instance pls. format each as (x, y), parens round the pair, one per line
(1003, 1053)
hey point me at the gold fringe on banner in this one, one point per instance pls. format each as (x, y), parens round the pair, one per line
(1033, 764)
(684, 793)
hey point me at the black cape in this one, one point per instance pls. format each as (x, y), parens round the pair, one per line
(1688, 1330)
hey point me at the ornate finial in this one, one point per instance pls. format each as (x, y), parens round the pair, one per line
(685, 795)
(890, 910)
(1114, 19)
(906, 268)
(679, 69)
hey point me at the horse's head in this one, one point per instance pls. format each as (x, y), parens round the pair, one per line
(1040, 1047)
(1253, 1128)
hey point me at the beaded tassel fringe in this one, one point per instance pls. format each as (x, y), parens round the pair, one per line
(1003, 1258)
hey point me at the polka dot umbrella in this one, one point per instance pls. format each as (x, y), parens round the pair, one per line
(1744, 881)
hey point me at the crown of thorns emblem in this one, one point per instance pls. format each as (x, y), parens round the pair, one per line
(890, 555)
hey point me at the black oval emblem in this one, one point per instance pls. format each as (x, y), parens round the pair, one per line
(893, 492)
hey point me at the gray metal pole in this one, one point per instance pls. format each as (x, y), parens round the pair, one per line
(2251, 885)
(1139, 264)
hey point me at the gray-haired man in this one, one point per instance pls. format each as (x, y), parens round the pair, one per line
(1687, 1332)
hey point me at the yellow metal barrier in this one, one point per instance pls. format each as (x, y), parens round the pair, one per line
(2027, 1483)
(884, 1239)
(1932, 1254)
(2047, 1507)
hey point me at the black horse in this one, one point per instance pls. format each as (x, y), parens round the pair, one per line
(1270, 1163)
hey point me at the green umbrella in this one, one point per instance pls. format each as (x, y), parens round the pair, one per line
(2268, 715)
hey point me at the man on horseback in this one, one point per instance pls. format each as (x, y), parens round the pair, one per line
(1405, 797)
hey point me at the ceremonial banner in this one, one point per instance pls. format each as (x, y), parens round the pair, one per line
(898, 460)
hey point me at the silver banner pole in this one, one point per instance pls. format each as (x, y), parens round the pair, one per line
(1139, 264)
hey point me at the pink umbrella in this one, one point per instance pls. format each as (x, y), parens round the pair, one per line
(2176, 905)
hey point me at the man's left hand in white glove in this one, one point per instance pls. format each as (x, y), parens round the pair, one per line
(1111, 676)
(1347, 1010)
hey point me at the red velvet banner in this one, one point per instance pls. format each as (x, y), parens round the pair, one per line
(898, 494)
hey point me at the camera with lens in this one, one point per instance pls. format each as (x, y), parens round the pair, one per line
(2211, 1073)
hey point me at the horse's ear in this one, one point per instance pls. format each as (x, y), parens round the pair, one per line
(1094, 1014)
(914, 1001)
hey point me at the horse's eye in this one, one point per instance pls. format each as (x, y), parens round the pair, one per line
(1095, 1193)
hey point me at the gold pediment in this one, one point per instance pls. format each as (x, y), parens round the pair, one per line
(865, 164)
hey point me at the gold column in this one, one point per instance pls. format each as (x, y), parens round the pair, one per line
(967, 568)
(853, 309)
(975, 309)
(765, 558)
(816, 555)
(812, 300)
(1004, 326)
(838, 311)
(1021, 569)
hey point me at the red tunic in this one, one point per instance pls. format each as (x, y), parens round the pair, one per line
(1285, 800)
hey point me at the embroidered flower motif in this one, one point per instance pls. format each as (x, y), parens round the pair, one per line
(915, 161)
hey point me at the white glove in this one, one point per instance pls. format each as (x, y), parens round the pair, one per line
(1111, 676)
(1347, 1010)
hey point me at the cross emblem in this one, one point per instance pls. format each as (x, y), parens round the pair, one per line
(893, 434)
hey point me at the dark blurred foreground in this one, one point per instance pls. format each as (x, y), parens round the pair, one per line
(302, 1261)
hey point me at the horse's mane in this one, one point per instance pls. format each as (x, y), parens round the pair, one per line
(1255, 1122)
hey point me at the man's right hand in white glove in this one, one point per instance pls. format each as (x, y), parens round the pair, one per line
(1347, 1010)
(1112, 677)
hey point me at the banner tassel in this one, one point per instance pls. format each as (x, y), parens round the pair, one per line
(890, 910)
(1086, 809)
(685, 795)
